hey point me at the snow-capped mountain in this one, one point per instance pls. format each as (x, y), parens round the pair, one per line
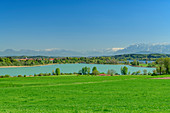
(146, 48)
(135, 49)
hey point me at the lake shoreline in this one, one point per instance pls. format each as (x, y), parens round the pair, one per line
(67, 63)
(65, 68)
(25, 66)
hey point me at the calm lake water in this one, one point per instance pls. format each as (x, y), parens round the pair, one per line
(66, 68)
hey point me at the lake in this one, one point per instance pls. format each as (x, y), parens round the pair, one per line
(141, 61)
(66, 68)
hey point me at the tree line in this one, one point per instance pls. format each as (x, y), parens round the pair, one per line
(118, 59)
(9, 61)
(145, 57)
(163, 66)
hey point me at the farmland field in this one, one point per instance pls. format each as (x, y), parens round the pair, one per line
(89, 94)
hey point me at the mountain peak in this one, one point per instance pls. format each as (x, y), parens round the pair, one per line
(132, 49)
(149, 48)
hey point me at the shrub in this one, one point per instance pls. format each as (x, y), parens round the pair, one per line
(45, 74)
(94, 69)
(74, 73)
(80, 72)
(129, 73)
(149, 73)
(57, 71)
(6, 76)
(154, 73)
(145, 72)
(134, 73)
(124, 70)
(138, 72)
(25, 75)
(41, 74)
(117, 74)
(20, 76)
(95, 72)
(110, 72)
(53, 72)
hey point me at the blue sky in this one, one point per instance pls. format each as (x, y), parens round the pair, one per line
(82, 24)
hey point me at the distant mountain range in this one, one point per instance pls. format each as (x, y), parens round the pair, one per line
(46, 52)
(146, 49)
(132, 49)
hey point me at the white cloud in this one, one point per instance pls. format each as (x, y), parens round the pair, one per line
(113, 49)
(52, 49)
(165, 43)
(116, 49)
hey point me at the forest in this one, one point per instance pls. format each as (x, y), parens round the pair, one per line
(127, 59)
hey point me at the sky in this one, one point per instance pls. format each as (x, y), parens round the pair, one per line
(82, 24)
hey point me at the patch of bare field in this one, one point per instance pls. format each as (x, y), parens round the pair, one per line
(162, 78)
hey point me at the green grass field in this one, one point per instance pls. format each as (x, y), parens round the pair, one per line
(84, 94)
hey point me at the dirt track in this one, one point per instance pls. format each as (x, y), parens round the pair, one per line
(162, 78)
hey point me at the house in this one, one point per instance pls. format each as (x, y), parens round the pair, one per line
(51, 59)
(102, 75)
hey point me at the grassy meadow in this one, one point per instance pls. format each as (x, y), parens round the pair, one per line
(85, 94)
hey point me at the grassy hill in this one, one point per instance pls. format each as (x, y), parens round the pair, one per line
(79, 94)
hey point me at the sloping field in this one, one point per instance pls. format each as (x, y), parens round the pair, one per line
(85, 94)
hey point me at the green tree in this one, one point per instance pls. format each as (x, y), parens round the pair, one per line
(94, 69)
(111, 72)
(146, 62)
(167, 65)
(1, 59)
(84, 70)
(160, 63)
(80, 72)
(134, 63)
(57, 71)
(95, 72)
(88, 70)
(154, 72)
(53, 73)
(124, 70)
(145, 72)
(138, 72)
(108, 72)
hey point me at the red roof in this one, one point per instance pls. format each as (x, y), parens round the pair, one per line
(21, 59)
(102, 74)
